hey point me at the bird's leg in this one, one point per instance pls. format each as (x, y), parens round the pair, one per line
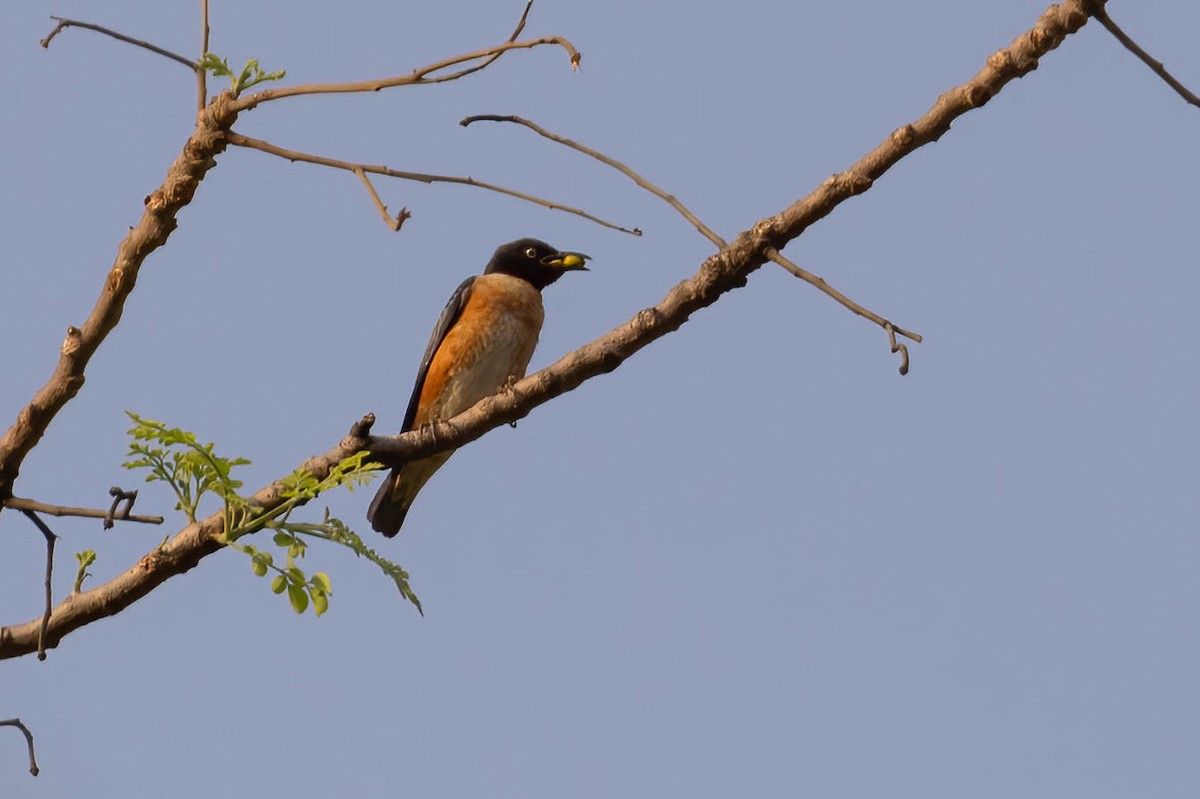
(507, 388)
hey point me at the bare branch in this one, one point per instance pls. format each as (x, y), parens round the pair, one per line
(33, 766)
(294, 155)
(50, 539)
(900, 348)
(19, 503)
(866, 313)
(395, 223)
(63, 24)
(417, 76)
(151, 232)
(614, 163)
(1156, 66)
(491, 59)
(704, 229)
(720, 273)
(201, 74)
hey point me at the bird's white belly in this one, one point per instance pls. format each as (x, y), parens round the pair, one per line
(503, 352)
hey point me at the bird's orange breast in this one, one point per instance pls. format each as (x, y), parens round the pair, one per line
(491, 342)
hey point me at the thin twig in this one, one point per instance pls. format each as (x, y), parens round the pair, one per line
(417, 76)
(50, 539)
(119, 496)
(201, 73)
(614, 163)
(866, 313)
(293, 155)
(63, 24)
(491, 59)
(394, 222)
(19, 503)
(33, 766)
(897, 347)
(719, 274)
(1132, 46)
(704, 229)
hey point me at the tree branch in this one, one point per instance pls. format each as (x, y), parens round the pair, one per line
(866, 313)
(33, 766)
(239, 140)
(63, 24)
(417, 76)
(1156, 66)
(151, 232)
(704, 229)
(202, 74)
(396, 222)
(670, 199)
(19, 503)
(720, 273)
(50, 539)
(491, 59)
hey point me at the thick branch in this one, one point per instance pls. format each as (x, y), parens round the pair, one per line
(705, 230)
(358, 169)
(720, 273)
(150, 233)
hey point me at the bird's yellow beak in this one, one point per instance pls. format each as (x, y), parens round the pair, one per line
(567, 261)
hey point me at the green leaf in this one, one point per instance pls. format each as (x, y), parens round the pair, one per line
(320, 603)
(85, 558)
(282, 539)
(320, 581)
(298, 597)
(259, 567)
(279, 583)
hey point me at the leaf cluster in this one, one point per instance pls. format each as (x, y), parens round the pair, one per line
(251, 74)
(193, 469)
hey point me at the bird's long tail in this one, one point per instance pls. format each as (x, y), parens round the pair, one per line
(399, 489)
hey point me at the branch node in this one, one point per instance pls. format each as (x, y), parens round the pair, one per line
(362, 428)
(904, 135)
(72, 341)
(119, 495)
(898, 347)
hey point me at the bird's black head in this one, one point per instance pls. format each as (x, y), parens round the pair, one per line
(534, 261)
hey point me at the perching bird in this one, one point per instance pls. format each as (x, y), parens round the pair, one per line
(484, 338)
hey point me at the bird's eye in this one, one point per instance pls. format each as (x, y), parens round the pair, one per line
(531, 252)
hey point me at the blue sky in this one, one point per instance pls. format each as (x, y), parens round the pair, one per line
(754, 560)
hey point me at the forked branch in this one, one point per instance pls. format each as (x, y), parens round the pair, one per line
(421, 177)
(704, 229)
(20, 503)
(720, 273)
(422, 75)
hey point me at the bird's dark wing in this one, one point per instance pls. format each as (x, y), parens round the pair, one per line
(450, 314)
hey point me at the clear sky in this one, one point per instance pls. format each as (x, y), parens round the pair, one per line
(754, 561)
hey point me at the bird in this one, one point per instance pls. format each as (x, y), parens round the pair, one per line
(481, 343)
